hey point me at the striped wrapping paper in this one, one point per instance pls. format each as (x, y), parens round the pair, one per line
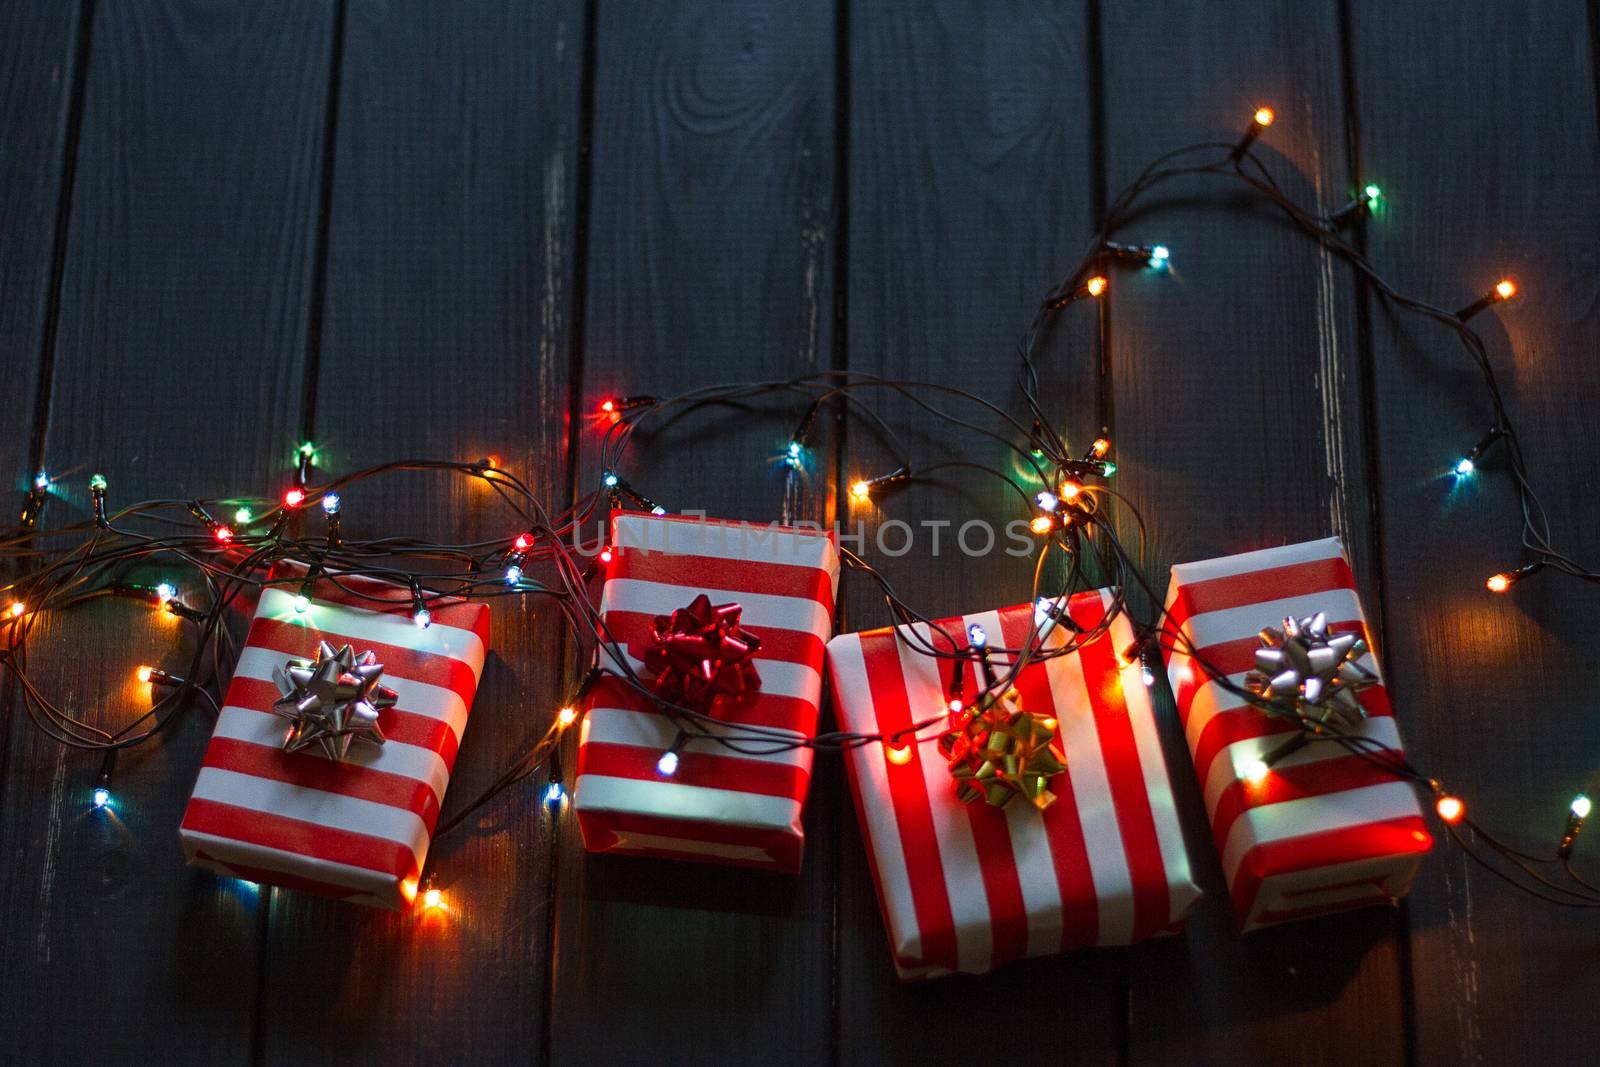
(969, 887)
(721, 806)
(1326, 830)
(358, 830)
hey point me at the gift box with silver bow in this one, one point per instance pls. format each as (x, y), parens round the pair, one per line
(329, 761)
(727, 620)
(1304, 827)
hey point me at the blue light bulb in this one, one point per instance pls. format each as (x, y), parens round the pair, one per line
(610, 479)
(977, 636)
(1047, 501)
(513, 575)
(102, 797)
(553, 793)
(330, 503)
(1465, 467)
(1160, 258)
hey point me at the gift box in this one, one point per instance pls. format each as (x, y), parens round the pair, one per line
(311, 799)
(718, 805)
(1320, 829)
(970, 886)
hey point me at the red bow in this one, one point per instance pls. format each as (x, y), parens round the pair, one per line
(701, 654)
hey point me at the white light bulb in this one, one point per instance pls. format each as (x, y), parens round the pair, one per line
(422, 617)
(977, 636)
(1465, 467)
(667, 765)
(302, 604)
(1581, 806)
(166, 591)
(102, 797)
(1255, 771)
(41, 480)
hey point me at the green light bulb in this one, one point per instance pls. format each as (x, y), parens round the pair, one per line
(1373, 193)
(97, 482)
(1111, 468)
(243, 516)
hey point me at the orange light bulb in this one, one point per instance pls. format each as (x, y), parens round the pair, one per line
(899, 755)
(1042, 524)
(860, 490)
(1505, 288)
(142, 673)
(608, 406)
(433, 900)
(1070, 490)
(18, 609)
(1101, 446)
(1264, 116)
(1096, 285)
(567, 715)
(1498, 583)
(1450, 808)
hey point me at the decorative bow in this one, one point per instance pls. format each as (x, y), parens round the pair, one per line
(997, 751)
(332, 700)
(701, 654)
(1316, 672)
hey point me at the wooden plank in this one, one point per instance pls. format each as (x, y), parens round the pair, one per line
(971, 190)
(1238, 426)
(446, 334)
(176, 372)
(710, 259)
(1489, 175)
(38, 54)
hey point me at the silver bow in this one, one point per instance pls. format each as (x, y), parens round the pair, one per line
(1303, 665)
(332, 700)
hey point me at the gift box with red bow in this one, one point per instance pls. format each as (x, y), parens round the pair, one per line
(1030, 822)
(1304, 825)
(728, 620)
(336, 739)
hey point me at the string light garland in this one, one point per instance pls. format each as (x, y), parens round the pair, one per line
(206, 565)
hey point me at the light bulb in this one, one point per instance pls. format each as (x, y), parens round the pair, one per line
(1042, 524)
(1581, 806)
(165, 592)
(795, 454)
(513, 575)
(223, 534)
(1255, 771)
(658, 510)
(97, 483)
(610, 479)
(1147, 676)
(1160, 257)
(899, 755)
(956, 705)
(553, 793)
(1070, 490)
(567, 716)
(1096, 285)
(860, 490)
(302, 604)
(1372, 193)
(608, 406)
(1450, 808)
(307, 449)
(1505, 288)
(41, 481)
(523, 542)
(330, 503)
(1465, 467)
(102, 797)
(606, 554)
(293, 497)
(1047, 501)
(243, 516)
(1101, 446)
(18, 609)
(1499, 583)
(422, 617)
(1264, 116)
(142, 673)
(433, 900)
(977, 636)
(667, 765)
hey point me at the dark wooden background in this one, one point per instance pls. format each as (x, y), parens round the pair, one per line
(414, 229)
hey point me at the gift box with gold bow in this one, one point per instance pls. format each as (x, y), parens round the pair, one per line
(1031, 818)
(1304, 823)
(336, 740)
(726, 620)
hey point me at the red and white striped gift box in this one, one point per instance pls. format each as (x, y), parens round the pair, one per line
(721, 806)
(969, 887)
(1325, 830)
(357, 829)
